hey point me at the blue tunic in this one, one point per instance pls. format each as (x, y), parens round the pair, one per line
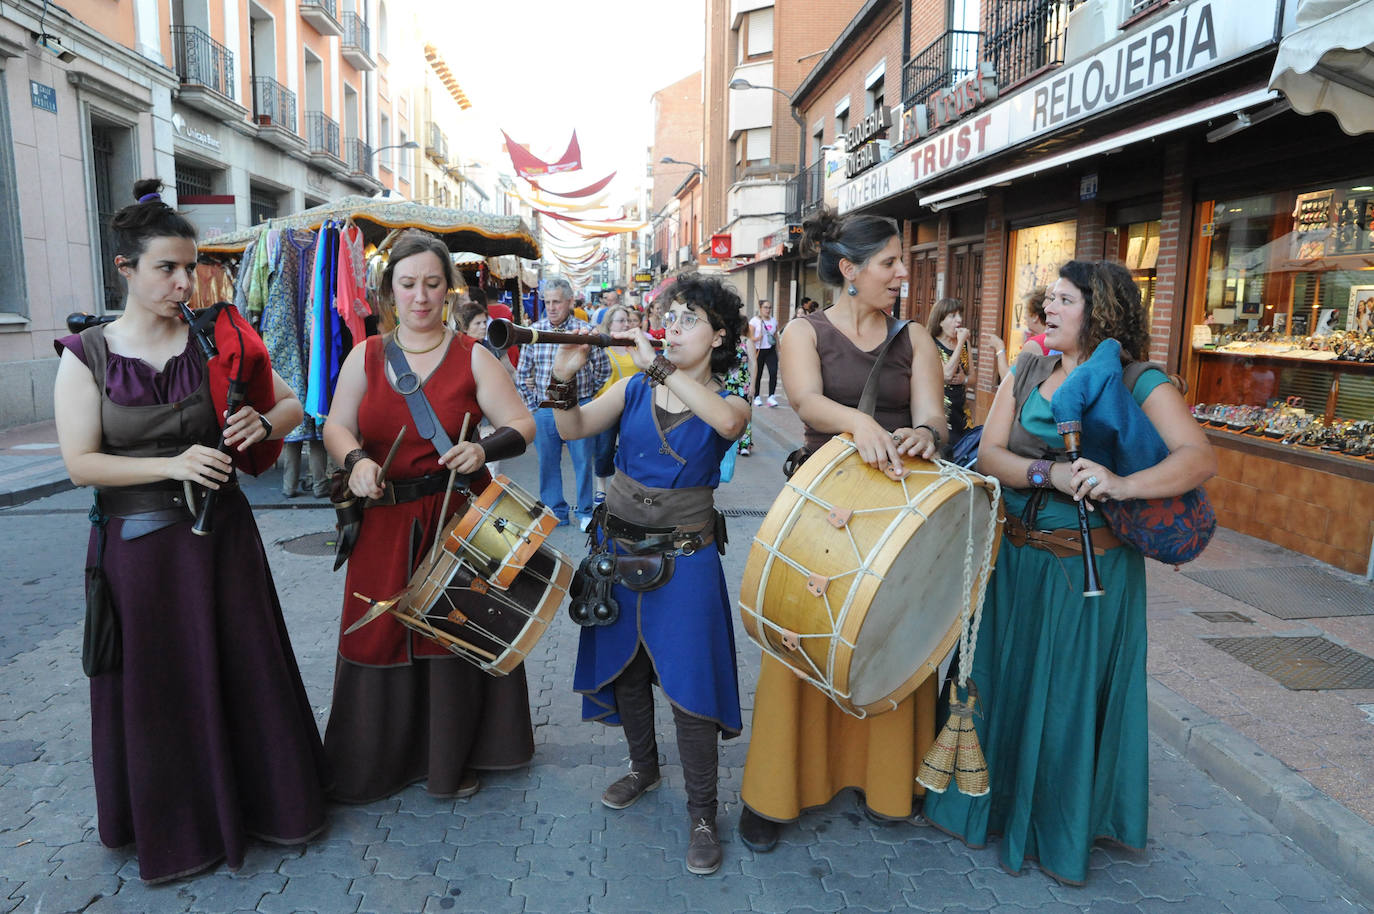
(686, 626)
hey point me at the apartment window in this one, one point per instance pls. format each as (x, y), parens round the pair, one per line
(110, 155)
(384, 139)
(841, 122)
(194, 182)
(756, 146)
(818, 142)
(382, 29)
(403, 158)
(757, 39)
(263, 204)
(873, 88)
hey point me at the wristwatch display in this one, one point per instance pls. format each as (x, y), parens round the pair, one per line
(266, 426)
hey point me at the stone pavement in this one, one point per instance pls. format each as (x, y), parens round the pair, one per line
(540, 840)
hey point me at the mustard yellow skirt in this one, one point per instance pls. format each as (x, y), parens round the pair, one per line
(804, 750)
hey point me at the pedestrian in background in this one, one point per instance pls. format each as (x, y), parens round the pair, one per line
(532, 377)
(763, 333)
(623, 365)
(201, 733)
(946, 326)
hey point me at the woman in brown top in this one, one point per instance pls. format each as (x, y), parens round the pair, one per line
(803, 749)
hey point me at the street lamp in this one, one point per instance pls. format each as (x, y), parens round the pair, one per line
(740, 84)
(669, 160)
(408, 144)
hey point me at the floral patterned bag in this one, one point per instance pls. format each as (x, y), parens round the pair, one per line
(1173, 530)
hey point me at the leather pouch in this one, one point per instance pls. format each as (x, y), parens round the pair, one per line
(644, 572)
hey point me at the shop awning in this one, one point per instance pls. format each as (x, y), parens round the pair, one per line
(1327, 62)
(1197, 114)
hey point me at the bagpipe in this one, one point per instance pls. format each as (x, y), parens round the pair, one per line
(239, 370)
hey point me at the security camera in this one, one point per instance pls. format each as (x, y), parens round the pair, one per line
(53, 45)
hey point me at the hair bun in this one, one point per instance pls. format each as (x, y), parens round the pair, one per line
(823, 225)
(148, 190)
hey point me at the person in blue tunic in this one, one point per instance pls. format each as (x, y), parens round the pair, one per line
(676, 421)
(1061, 676)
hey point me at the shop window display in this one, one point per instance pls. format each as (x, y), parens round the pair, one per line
(1037, 253)
(1283, 317)
(1136, 245)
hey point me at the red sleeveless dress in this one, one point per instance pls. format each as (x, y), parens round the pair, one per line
(395, 721)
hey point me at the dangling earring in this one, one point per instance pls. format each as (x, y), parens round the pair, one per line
(852, 290)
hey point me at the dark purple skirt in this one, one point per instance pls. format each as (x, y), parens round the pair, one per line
(205, 736)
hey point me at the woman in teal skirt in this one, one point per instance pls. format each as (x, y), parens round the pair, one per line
(1061, 676)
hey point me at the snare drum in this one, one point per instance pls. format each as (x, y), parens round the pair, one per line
(500, 531)
(859, 582)
(451, 600)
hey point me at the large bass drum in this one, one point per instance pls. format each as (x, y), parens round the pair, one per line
(859, 582)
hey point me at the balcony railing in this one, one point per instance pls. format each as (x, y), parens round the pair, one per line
(273, 104)
(358, 155)
(806, 192)
(202, 61)
(436, 146)
(321, 133)
(946, 60)
(356, 36)
(1025, 36)
(323, 15)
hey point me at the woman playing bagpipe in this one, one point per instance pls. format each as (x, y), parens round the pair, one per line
(1060, 674)
(201, 732)
(404, 708)
(656, 550)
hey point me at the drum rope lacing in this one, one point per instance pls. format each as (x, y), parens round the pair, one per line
(971, 613)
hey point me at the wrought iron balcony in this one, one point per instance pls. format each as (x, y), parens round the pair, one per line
(321, 133)
(806, 192)
(942, 63)
(358, 155)
(356, 44)
(202, 61)
(436, 144)
(274, 105)
(323, 15)
(1025, 36)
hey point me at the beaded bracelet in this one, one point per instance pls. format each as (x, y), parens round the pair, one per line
(560, 394)
(352, 458)
(659, 370)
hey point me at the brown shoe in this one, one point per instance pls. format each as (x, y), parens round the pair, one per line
(703, 847)
(628, 789)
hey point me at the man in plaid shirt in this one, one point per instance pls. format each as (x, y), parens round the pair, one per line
(532, 377)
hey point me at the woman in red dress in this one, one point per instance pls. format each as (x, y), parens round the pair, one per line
(405, 709)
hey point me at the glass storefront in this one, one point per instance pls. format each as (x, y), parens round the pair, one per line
(1036, 254)
(1283, 316)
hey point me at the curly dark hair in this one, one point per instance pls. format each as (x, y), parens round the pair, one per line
(1111, 307)
(138, 223)
(723, 309)
(854, 238)
(1035, 302)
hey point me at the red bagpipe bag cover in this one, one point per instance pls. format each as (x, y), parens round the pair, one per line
(243, 356)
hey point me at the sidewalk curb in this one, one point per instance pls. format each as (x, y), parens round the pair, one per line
(42, 490)
(1333, 835)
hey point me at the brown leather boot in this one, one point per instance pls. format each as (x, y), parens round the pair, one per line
(703, 847)
(630, 788)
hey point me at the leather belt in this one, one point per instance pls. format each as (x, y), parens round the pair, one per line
(640, 540)
(1063, 542)
(400, 491)
(130, 500)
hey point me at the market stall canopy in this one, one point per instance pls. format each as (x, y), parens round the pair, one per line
(1327, 62)
(461, 230)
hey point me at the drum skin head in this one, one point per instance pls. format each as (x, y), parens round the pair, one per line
(867, 573)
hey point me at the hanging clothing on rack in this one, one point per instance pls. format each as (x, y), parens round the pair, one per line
(352, 287)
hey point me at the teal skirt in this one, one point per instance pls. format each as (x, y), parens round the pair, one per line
(1062, 713)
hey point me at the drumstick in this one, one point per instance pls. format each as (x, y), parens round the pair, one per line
(448, 493)
(390, 456)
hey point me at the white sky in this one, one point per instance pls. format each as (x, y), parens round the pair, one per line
(541, 68)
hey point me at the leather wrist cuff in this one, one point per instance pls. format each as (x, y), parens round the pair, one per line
(502, 444)
(352, 458)
(1038, 474)
(659, 370)
(560, 394)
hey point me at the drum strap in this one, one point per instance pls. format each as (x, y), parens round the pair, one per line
(868, 400)
(421, 413)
